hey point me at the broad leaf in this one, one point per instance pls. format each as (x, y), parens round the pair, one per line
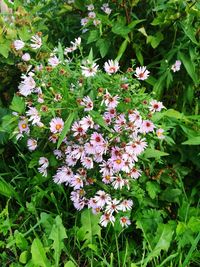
(38, 252)
(58, 234)
(154, 153)
(18, 104)
(153, 188)
(192, 141)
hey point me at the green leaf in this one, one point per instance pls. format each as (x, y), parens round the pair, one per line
(153, 188)
(155, 40)
(7, 190)
(154, 153)
(134, 23)
(4, 49)
(189, 66)
(120, 29)
(60, 52)
(122, 49)
(18, 104)
(93, 36)
(66, 128)
(192, 141)
(99, 119)
(90, 227)
(69, 264)
(174, 114)
(24, 34)
(58, 234)
(103, 45)
(38, 252)
(24, 257)
(171, 195)
(161, 241)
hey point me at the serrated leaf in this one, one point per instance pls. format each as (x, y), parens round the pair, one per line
(171, 195)
(90, 227)
(103, 45)
(93, 36)
(66, 128)
(38, 253)
(58, 234)
(192, 141)
(153, 188)
(18, 104)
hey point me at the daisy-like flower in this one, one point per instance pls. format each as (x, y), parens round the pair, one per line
(84, 21)
(36, 42)
(111, 66)
(106, 218)
(160, 134)
(90, 70)
(118, 183)
(34, 115)
(26, 57)
(124, 221)
(107, 179)
(135, 173)
(156, 106)
(142, 73)
(126, 204)
(53, 61)
(76, 182)
(87, 103)
(91, 15)
(18, 44)
(87, 122)
(43, 162)
(63, 175)
(27, 86)
(96, 22)
(90, 7)
(56, 125)
(78, 129)
(113, 206)
(106, 9)
(176, 66)
(23, 126)
(87, 162)
(102, 198)
(147, 126)
(32, 144)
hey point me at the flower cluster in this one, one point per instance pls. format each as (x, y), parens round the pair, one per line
(99, 156)
(93, 157)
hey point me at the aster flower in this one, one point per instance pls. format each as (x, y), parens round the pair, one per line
(111, 66)
(91, 15)
(124, 221)
(36, 42)
(27, 86)
(176, 66)
(87, 103)
(90, 7)
(84, 21)
(142, 73)
(34, 115)
(155, 106)
(18, 44)
(31, 144)
(90, 70)
(126, 204)
(26, 57)
(76, 182)
(106, 218)
(102, 198)
(23, 126)
(56, 125)
(112, 206)
(63, 175)
(159, 133)
(147, 126)
(53, 61)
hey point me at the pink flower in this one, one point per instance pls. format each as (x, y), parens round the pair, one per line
(113, 206)
(87, 162)
(76, 182)
(53, 61)
(102, 198)
(87, 103)
(87, 122)
(159, 133)
(118, 183)
(106, 218)
(63, 175)
(26, 57)
(176, 66)
(23, 126)
(78, 129)
(124, 221)
(97, 139)
(56, 125)
(126, 204)
(155, 106)
(89, 71)
(135, 173)
(111, 66)
(112, 101)
(142, 73)
(147, 126)
(32, 144)
(18, 44)
(36, 42)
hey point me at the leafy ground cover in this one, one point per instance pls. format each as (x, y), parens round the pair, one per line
(100, 134)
